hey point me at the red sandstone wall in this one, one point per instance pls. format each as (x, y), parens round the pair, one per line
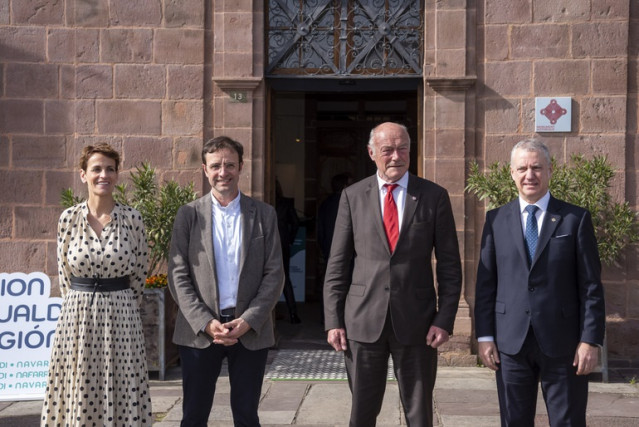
(626, 296)
(73, 72)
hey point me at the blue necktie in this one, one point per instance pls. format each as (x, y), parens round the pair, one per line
(531, 232)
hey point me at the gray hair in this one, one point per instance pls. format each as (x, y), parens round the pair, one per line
(373, 134)
(531, 144)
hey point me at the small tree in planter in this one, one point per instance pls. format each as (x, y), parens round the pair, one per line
(158, 206)
(584, 183)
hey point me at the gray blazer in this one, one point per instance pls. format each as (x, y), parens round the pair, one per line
(193, 281)
(401, 283)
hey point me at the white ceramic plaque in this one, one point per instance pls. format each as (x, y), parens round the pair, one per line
(553, 114)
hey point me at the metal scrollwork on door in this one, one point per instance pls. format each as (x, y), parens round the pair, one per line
(351, 38)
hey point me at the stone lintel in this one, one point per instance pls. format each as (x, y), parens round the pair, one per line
(451, 83)
(237, 83)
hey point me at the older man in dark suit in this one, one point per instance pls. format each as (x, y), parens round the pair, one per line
(379, 293)
(539, 308)
(226, 275)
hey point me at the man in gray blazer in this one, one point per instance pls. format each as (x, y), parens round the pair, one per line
(226, 275)
(380, 298)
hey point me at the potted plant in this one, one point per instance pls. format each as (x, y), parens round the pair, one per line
(158, 205)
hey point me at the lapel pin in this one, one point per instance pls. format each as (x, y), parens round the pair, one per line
(414, 198)
(553, 219)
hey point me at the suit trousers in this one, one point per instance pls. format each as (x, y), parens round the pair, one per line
(565, 392)
(415, 367)
(200, 371)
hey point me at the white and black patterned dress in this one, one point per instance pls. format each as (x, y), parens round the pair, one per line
(98, 373)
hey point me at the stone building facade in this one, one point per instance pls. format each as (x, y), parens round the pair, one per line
(156, 78)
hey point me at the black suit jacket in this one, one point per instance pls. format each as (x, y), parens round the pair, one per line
(560, 295)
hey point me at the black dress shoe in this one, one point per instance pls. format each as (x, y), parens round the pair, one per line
(295, 318)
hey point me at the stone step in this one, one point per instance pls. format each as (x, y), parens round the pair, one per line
(463, 326)
(456, 358)
(457, 351)
(459, 342)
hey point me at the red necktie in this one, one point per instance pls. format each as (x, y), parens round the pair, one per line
(391, 220)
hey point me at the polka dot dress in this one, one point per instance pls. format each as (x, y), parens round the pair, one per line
(98, 373)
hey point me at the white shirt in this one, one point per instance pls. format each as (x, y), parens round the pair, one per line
(227, 242)
(399, 194)
(542, 204)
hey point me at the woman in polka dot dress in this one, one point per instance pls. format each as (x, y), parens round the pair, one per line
(98, 374)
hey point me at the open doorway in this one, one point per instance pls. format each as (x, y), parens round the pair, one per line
(317, 135)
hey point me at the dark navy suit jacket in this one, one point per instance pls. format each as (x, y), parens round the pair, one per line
(560, 295)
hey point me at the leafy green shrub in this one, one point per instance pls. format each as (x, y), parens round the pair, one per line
(158, 205)
(584, 183)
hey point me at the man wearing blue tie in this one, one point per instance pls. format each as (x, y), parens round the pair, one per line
(539, 307)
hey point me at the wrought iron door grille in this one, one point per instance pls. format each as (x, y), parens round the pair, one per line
(351, 38)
